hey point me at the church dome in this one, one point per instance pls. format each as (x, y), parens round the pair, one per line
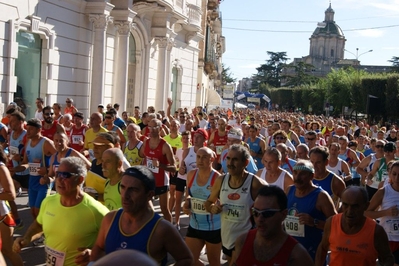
(328, 26)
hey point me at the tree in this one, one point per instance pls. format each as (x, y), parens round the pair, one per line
(300, 76)
(227, 76)
(270, 73)
(395, 63)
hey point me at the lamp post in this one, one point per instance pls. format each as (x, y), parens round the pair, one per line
(357, 55)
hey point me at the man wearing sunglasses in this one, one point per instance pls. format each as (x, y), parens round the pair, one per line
(136, 226)
(70, 219)
(49, 125)
(269, 243)
(308, 208)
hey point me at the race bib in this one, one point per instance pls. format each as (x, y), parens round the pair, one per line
(293, 228)
(150, 166)
(219, 150)
(198, 206)
(393, 227)
(77, 139)
(14, 150)
(233, 213)
(54, 257)
(34, 168)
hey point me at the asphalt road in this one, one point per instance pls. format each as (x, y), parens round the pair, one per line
(35, 255)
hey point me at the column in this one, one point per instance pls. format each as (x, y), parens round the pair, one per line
(162, 71)
(100, 22)
(122, 63)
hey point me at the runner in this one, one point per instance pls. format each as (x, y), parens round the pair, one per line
(49, 125)
(112, 166)
(257, 145)
(91, 133)
(132, 146)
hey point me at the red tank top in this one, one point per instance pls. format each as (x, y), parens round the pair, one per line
(161, 176)
(219, 142)
(146, 132)
(356, 249)
(247, 257)
(49, 133)
(77, 135)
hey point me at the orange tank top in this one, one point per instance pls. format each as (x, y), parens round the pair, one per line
(356, 249)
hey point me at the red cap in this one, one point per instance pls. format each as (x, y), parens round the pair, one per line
(202, 132)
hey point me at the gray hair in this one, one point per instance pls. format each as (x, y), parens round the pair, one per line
(241, 149)
(274, 152)
(75, 165)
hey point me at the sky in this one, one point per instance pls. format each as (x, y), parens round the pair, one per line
(293, 22)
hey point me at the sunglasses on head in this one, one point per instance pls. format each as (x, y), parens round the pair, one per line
(264, 213)
(59, 174)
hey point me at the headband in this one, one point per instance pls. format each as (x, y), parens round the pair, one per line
(303, 167)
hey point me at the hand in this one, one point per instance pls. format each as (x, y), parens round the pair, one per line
(83, 258)
(186, 206)
(306, 219)
(42, 171)
(216, 208)
(393, 211)
(182, 169)
(170, 102)
(19, 243)
(155, 162)
(16, 157)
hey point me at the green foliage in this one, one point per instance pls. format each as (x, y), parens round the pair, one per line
(301, 74)
(270, 73)
(227, 76)
(395, 63)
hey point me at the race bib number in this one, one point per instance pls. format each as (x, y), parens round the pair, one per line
(14, 150)
(393, 226)
(219, 150)
(54, 257)
(150, 166)
(77, 139)
(198, 206)
(233, 213)
(34, 168)
(293, 228)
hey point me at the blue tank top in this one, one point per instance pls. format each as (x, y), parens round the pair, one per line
(139, 241)
(18, 143)
(307, 205)
(56, 163)
(200, 219)
(255, 146)
(35, 155)
(325, 183)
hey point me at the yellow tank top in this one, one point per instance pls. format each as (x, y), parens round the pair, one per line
(132, 155)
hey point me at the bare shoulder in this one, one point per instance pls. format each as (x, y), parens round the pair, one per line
(300, 256)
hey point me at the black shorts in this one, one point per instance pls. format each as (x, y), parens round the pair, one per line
(161, 190)
(212, 237)
(172, 178)
(22, 179)
(180, 184)
(228, 252)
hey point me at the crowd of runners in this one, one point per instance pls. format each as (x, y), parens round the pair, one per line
(260, 187)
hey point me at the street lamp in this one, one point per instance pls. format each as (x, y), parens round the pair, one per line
(357, 55)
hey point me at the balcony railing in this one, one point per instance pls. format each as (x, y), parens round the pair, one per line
(194, 17)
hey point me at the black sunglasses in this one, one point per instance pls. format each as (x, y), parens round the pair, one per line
(64, 174)
(48, 114)
(265, 213)
(379, 146)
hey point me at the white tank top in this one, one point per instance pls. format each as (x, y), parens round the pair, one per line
(280, 180)
(236, 210)
(336, 169)
(390, 223)
(373, 159)
(191, 160)
(3, 206)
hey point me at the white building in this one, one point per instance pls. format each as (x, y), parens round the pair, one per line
(135, 53)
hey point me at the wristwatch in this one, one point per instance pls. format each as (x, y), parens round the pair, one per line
(315, 222)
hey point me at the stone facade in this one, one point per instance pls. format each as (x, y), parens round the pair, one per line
(97, 51)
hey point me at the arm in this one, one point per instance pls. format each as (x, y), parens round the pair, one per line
(385, 256)
(295, 138)
(187, 202)
(141, 152)
(324, 245)
(78, 154)
(346, 171)
(373, 171)
(375, 203)
(355, 158)
(170, 102)
(174, 244)
(168, 152)
(49, 148)
(121, 136)
(288, 180)
(210, 204)
(98, 249)
(257, 184)
(325, 205)
(182, 168)
(34, 232)
(238, 247)
(338, 185)
(300, 256)
(7, 183)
